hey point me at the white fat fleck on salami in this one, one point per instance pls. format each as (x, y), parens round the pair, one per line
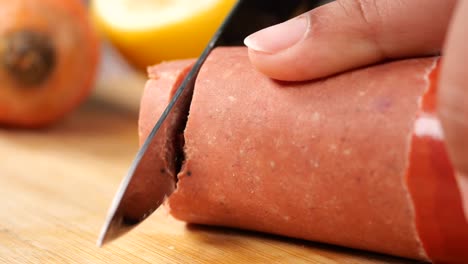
(428, 126)
(272, 164)
(316, 116)
(227, 73)
(256, 178)
(316, 164)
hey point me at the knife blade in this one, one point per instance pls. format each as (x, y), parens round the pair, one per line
(244, 18)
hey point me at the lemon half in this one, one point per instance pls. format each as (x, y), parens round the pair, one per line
(147, 32)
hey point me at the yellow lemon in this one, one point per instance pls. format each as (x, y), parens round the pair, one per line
(147, 32)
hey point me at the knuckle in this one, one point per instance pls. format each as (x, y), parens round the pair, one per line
(367, 10)
(370, 16)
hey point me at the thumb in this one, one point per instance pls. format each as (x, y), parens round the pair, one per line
(453, 97)
(346, 34)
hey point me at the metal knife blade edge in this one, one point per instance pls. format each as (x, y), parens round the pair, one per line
(112, 220)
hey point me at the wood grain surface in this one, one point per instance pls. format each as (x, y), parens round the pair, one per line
(56, 185)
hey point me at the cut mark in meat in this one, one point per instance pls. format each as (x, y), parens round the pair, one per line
(178, 139)
(179, 142)
(176, 131)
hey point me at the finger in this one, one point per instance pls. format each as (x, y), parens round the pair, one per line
(453, 96)
(346, 34)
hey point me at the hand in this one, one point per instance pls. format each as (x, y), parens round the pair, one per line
(346, 34)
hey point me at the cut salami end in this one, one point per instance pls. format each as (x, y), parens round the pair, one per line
(335, 160)
(431, 182)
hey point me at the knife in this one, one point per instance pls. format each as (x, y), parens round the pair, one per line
(244, 18)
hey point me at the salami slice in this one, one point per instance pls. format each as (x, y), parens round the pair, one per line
(355, 159)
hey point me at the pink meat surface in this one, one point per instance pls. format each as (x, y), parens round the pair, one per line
(326, 160)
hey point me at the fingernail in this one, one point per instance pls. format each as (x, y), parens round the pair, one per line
(278, 37)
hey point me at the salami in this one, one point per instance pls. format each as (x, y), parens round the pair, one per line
(355, 160)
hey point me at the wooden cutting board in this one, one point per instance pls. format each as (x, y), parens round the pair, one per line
(56, 185)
